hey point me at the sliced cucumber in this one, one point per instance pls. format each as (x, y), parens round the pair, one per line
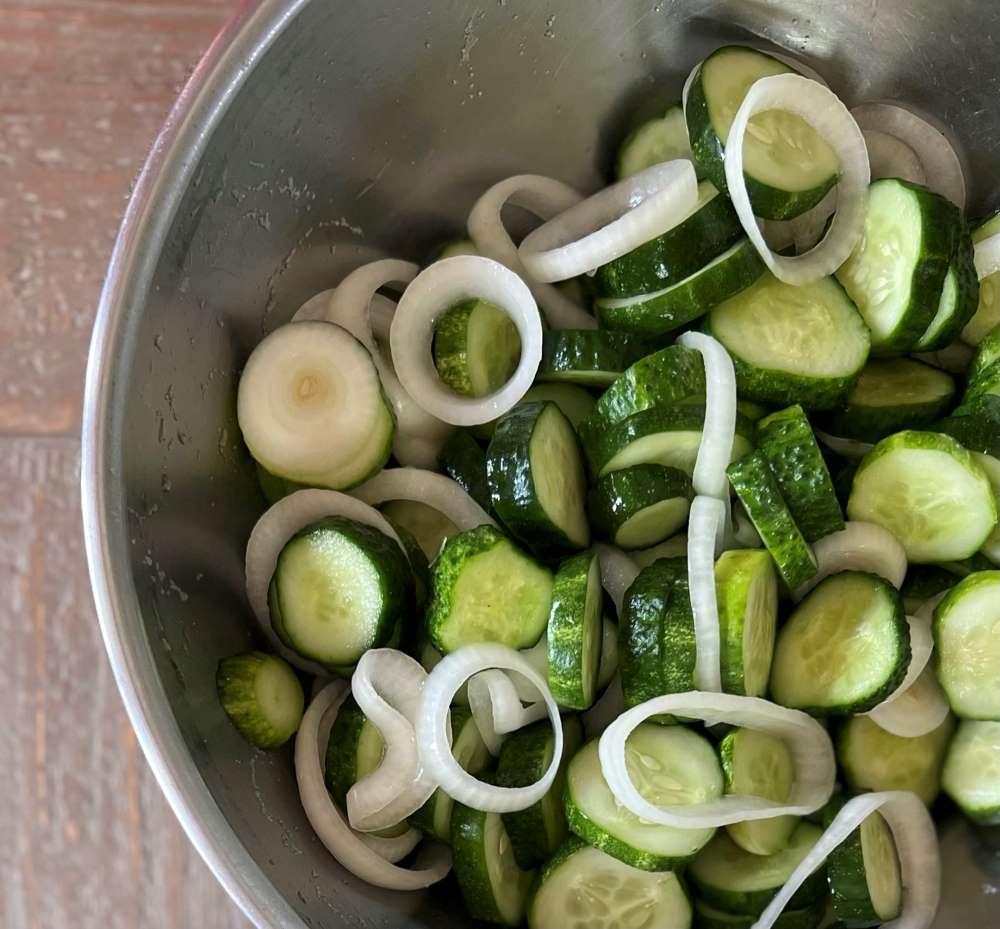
(788, 167)
(896, 273)
(711, 228)
(924, 581)
(754, 483)
(928, 492)
(803, 344)
(456, 247)
(582, 887)
(967, 646)
(609, 653)
(669, 765)
(987, 313)
(274, 488)
(262, 696)
(755, 764)
(730, 878)
(674, 547)
(959, 297)
(975, 424)
(746, 590)
(640, 506)
(534, 468)
(575, 402)
(430, 527)
(971, 775)
(589, 357)
(476, 348)
(485, 589)
(575, 632)
(788, 444)
(707, 916)
(663, 138)
(983, 366)
(873, 759)
(844, 649)
(991, 468)
(338, 589)
(462, 458)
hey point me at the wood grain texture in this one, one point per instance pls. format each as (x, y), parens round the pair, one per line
(89, 840)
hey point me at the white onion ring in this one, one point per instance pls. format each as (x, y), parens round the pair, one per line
(497, 709)
(355, 852)
(315, 307)
(433, 729)
(916, 844)
(987, 256)
(807, 742)
(823, 111)
(889, 156)
(617, 572)
(851, 449)
(938, 158)
(796, 64)
(434, 291)
(612, 222)
(707, 519)
(428, 487)
(545, 198)
(859, 546)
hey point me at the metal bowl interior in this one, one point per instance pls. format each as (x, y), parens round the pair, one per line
(313, 137)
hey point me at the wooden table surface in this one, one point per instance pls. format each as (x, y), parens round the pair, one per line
(88, 840)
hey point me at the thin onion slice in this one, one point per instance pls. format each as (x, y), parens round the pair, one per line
(433, 292)
(544, 197)
(954, 358)
(433, 730)
(859, 546)
(278, 524)
(987, 256)
(797, 64)
(355, 852)
(617, 572)
(807, 742)
(852, 449)
(497, 709)
(706, 521)
(938, 158)
(916, 844)
(821, 109)
(889, 156)
(427, 487)
(315, 307)
(612, 222)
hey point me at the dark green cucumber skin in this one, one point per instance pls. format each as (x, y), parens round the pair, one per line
(754, 483)
(846, 874)
(674, 255)
(450, 346)
(984, 362)
(985, 383)
(409, 625)
(512, 487)
(618, 496)
(968, 292)
(788, 444)
(567, 632)
(808, 918)
(688, 299)
(924, 581)
(582, 354)
(464, 461)
(468, 828)
(975, 424)
(342, 750)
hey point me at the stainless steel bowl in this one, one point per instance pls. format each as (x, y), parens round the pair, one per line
(312, 137)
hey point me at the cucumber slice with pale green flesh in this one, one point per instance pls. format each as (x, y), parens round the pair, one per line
(262, 697)
(803, 344)
(608, 666)
(485, 589)
(754, 483)
(663, 138)
(873, 759)
(274, 488)
(896, 272)
(430, 527)
(575, 632)
(462, 458)
(669, 436)
(924, 581)
(710, 229)
(581, 887)
(338, 589)
(971, 775)
(589, 357)
(928, 492)
(707, 916)
(746, 590)
(991, 468)
(864, 874)
(788, 167)
(967, 646)
(959, 297)
(893, 394)
(494, 888)
(535, 833)
(787, 442)
(844, 649)
(535, 472)
(755, 764)
(670, 765)
(456, 247)
(975, 424)
(663, 310)
(640, 506)
(575, 402)
(984, 372)
(476, 348)
(987, 313)
(730, 878)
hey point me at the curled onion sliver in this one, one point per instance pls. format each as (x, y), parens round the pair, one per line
(705, 525)
(497, 709)
(434, 291)
(807, 742)
(315, 307)
(823, 111)
(916, 844)
(954, 358)
(859, 546)
(987, 256)
(612, 222)
(617, 572)
(892, 157)
(432, 729)
(852, 449)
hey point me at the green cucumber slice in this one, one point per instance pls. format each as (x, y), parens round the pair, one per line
(983, 366)
(959, 297)
(971, 775)
(991, 468)
(788, 444)
(707, 916)
(575, 632)
(924, 581)
(609, 653)
(476, 348)
(430, 527)
(464, 461)
(975, 424)
(789, 344)
(261, 696)
(928, 492)
(674, 547)
(274, 488)
(575, 402)
(663, 138)
(589, 357)
(987, 313)
(845, 647)
(640, 506)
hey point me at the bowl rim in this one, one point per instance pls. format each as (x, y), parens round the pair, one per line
(164, 178)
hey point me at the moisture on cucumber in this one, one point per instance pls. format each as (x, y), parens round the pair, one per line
(575, 630)
(589, 357)
(640, 506)
(464, 461)
(262, 696)
(662, 138)
(476, 348)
